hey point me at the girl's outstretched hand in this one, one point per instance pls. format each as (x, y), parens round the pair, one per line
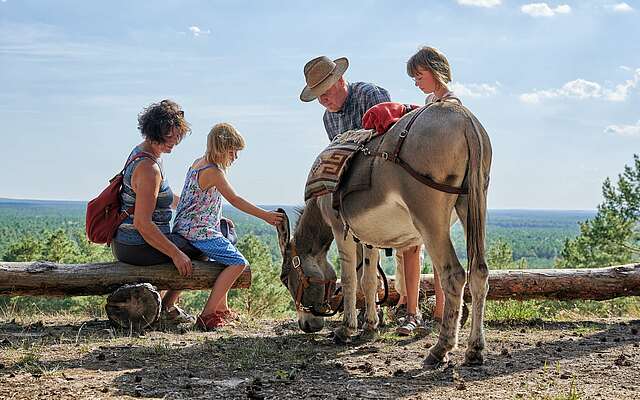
(273, 217)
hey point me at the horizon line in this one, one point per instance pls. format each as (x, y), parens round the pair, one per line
(9, 199)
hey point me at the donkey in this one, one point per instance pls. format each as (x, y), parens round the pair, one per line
(440, 164)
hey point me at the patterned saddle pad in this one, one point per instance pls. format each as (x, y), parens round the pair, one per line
(333, 162)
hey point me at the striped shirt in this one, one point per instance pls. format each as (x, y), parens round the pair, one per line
(360, 97)
(127, 232)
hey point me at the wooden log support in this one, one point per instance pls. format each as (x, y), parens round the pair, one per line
(43, 278)
(558, 284)
(133, 307)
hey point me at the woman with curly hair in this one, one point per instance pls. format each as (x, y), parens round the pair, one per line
(145, 237)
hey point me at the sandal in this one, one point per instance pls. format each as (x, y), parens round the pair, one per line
(412, 324)
(210, 322)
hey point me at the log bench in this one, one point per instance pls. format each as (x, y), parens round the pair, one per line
(527, 284)
(138, 302)
(133, 301)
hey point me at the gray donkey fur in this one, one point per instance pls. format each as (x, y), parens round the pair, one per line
(448, 144)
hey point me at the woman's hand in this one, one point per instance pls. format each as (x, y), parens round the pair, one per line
(182, 263)
(273, 217)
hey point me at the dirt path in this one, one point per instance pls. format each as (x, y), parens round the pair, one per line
(272, 359)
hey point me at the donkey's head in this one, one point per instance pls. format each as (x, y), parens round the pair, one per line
(306, 272)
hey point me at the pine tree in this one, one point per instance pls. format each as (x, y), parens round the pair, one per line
(267, 295)
(611, 237)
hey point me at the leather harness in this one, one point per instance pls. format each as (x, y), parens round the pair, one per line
(395, 156)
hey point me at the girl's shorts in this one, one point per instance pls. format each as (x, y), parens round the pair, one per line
(221, 250)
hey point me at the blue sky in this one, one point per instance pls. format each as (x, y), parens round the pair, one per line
(556, 85)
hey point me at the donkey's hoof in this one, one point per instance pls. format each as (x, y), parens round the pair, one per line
(473, 358)
(433, 362)
(341, 336)
(368, 335)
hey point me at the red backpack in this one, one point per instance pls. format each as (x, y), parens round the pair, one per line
(103, 212)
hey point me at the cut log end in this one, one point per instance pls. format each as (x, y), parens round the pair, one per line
(133, 307)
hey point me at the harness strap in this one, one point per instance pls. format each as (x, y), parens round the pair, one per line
(405, 132)
(395, 157)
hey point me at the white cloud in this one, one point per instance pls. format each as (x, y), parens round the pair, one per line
(582, 89)
(544, 10)
(196, 31)
(621, 91)
(474, 89)
(623, 130)
(621, 8)
(480, 3)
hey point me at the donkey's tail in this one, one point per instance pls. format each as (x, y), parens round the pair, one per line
(477, 179)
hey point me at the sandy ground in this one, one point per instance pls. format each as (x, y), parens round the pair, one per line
(67, 359)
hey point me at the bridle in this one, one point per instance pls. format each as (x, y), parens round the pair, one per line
(306, 281)
(329, 285)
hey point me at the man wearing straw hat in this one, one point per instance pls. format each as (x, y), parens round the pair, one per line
(345, 104)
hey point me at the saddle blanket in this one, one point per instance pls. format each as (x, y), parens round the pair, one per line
(329, 167)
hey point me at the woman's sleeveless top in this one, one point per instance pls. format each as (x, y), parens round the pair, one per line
(127, 233)
(199, 211)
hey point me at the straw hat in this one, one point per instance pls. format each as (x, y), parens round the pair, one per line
(321, 73)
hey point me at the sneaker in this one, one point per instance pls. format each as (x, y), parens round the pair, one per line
(398, 312)
(412, 324)
(210, 322)
(174, 316)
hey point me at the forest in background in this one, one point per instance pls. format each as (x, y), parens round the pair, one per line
(536, 236)
(54, 230)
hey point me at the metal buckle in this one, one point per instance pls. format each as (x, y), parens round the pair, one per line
(296, 262)
(385, 155)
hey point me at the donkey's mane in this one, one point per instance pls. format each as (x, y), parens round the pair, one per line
(312, 235)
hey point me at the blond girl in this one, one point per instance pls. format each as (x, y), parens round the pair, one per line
(199, 212)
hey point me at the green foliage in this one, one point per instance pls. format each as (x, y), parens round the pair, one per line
(500, 256)
(266, 296)
(55, 231)
(611, 237)
(57, 246)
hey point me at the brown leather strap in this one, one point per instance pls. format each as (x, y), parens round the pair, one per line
(405, 132)
(395, 157)
(425, 179)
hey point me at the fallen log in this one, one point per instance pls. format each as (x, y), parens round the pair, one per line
(557, 284)
(133, 302)
(43, 278)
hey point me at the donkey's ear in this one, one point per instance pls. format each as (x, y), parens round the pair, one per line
(283, 232)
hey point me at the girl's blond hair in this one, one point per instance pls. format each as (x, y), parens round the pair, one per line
(430, 59)
(223, 138)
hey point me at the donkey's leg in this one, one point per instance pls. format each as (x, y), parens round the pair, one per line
(349, 281)
(478, 286)
(369, 286)
(452, 280)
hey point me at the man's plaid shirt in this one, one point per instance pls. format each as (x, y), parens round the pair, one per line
(360, 98)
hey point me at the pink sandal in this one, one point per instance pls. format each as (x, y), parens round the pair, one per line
(211, 321)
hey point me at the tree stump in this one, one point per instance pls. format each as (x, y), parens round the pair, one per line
(133, 307)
